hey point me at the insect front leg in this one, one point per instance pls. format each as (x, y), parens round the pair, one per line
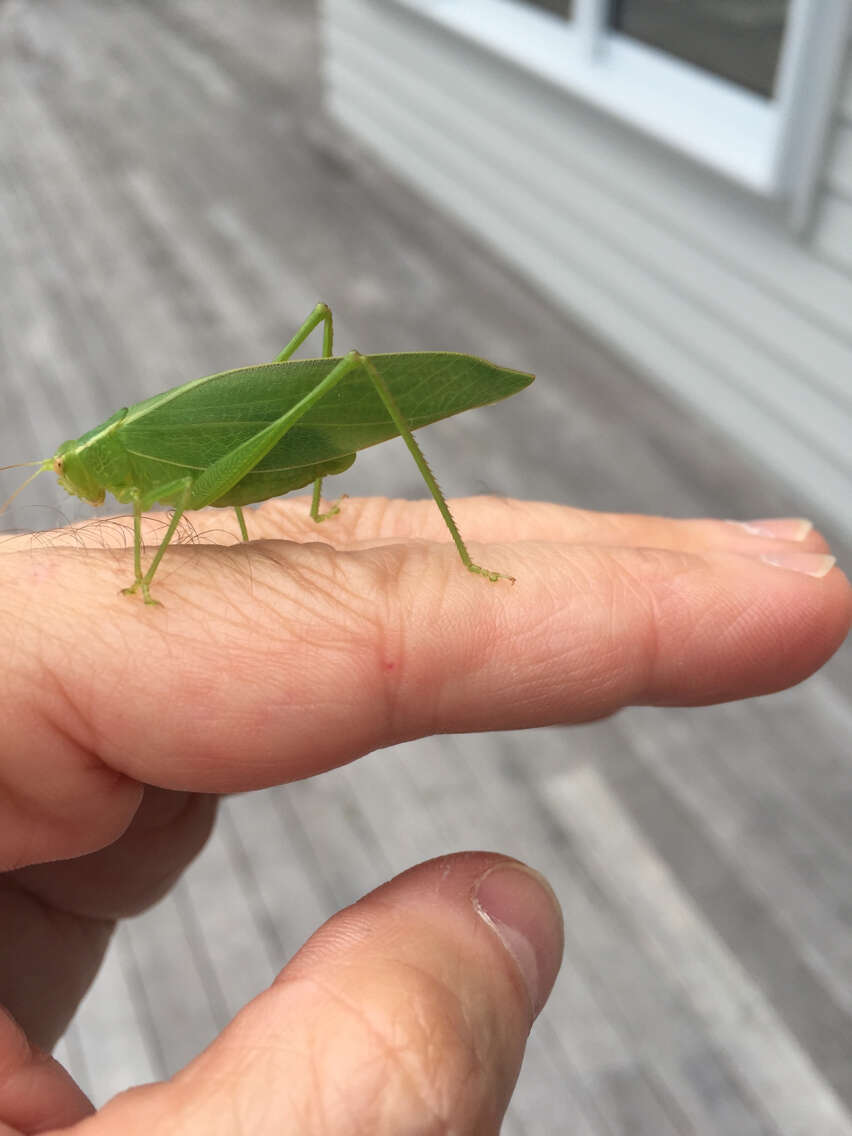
(426, 473)
(143, 582)
(137, 546)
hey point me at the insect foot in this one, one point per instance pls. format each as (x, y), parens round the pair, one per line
(146, 594)
(331, 511)
(489, 575)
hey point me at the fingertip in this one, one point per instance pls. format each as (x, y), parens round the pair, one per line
(411, 1006)
(812, 564)
(521, 908)
(754, 624)
(36, 1093)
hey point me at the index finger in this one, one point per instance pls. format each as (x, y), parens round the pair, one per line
(379, 520)
(274, 660)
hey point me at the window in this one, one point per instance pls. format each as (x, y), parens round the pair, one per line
(560, 7)
(739, 40)
(743, 86)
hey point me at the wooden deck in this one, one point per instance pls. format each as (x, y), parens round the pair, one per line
(173, 202)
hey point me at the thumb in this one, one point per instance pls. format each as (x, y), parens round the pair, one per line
(407, 1012)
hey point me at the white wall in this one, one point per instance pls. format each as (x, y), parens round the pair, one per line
(700, 284)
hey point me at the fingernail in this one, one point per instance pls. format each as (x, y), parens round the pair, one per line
(519, 905)
(778, 528)
(809, 563)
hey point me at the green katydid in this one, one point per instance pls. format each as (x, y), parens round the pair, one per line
(247, 435)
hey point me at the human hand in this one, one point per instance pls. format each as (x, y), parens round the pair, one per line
(275, 660)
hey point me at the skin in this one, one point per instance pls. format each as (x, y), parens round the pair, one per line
(408, 1011)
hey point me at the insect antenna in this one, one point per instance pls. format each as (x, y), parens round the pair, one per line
(20, 465)
(42, 466)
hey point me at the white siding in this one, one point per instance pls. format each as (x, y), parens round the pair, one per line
(833, 234)
(701, 285)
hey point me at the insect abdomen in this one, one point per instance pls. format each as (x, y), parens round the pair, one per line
(261, 484)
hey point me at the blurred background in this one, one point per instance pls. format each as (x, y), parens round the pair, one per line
(647, 203)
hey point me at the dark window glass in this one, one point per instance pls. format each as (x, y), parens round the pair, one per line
(737, 39)
(560, 7)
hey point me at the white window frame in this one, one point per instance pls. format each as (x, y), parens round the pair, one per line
(771, 146)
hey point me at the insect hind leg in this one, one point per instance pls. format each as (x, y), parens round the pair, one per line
(320, 315)
(395, 413)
